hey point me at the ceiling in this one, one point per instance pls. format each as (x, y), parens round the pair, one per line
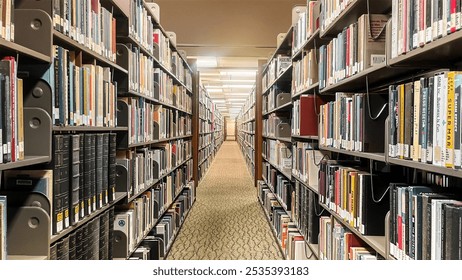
(227, 37)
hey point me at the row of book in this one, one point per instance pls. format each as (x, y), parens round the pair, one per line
(135, 220)
(141, 25)
(205, 153)
(92, 241)
(274, 125)
(150, 122)
(204, 164)
(417, 23)
(78, 181)
(3, 227)
(336, 242)
(305, 212)
(205, 126)
(205, 140)
(305, 112)
(291, 240)
(354, 194)
(147, 165)
(424, 120)
(84, 94)
(279, 185)
(305, 161)
(249, 127)
(276, 67)
(425, 222)
(156, 245)
(359, 46)
(7, 20)
(347, 123)
(204, 112)
(88, 23)
(11, 112)
(278, 153)
(274, 99)
(330, 11)
(306, 25)
(305, 71)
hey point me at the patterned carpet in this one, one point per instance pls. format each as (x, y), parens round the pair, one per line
(226, 222)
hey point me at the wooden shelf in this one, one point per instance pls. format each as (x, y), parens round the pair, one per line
(439, 53)
(427, 167)
(309, 90)
(285, 76)
(305, 137)
(86, 219)
(28, 160)
(376, 76)
(284, 108)
(156, 141)
(373, 156)
(352, 12)
(376, 242)
(287, 175)
(65, 41)
(11, 48)
(87, 128)
(283, 139)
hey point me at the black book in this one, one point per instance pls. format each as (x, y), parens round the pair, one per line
(105, 187)
(5, 70)
(95, 238)
(104, 236)
(53, 252)
(87, 174)
(93, 188)
(72, 246)
(62, 248)
(111, 233)
(58, 172)
(86, 246)
(82, 196)
(112, 166)
(74, 186)
(99, 170)
(78, 244)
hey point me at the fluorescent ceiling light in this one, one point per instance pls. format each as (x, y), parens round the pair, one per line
(214, 90)
(236, 99)
(207, 62)
(238, 73)
(238, 86)
(218, 100)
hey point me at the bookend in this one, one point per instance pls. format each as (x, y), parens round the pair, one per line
(156, 90)
(283, 98)
(156, 51)
(122, 58)
(122, 179)
(120, 247)
(33, 30)
(172, 36)
(37, 132)
(296, 11)
(155, 10)
(122, 120)
(283, 130)
(32, 219)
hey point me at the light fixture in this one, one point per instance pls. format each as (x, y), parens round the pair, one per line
(214, 90)
(238, 86)
(207, 62)
(238, 73)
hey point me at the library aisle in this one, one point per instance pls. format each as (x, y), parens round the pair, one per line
(226, 222)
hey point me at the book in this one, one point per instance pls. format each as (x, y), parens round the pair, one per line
(3, 227)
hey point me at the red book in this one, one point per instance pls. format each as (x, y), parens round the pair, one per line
(351, 240)
(308, 116)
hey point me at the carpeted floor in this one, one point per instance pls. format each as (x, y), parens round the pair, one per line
(226, 222)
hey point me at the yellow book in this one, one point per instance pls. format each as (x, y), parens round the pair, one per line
(449, 151)
(20, 120)
(352, 210)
